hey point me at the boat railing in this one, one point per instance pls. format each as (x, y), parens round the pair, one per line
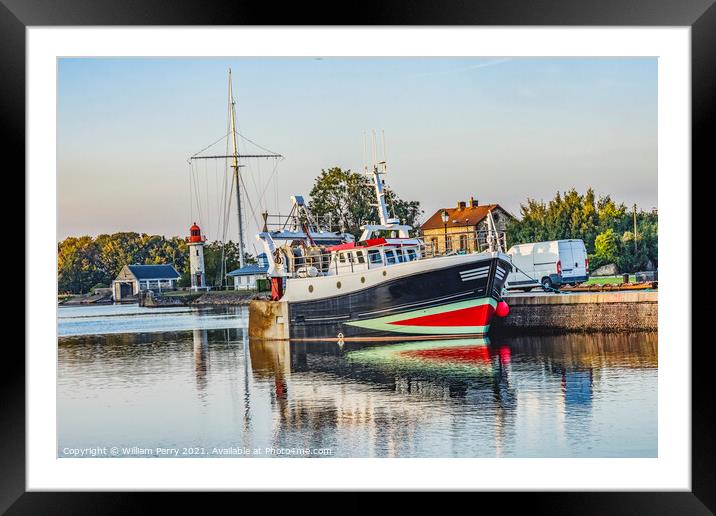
(295, 223)
(315, 261)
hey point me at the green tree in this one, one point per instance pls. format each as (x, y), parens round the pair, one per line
(606, 248)
(83, 261)
(571, 215)
(347, 198)
(78, 265)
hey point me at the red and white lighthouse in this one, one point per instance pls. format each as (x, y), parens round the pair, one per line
(196, 257)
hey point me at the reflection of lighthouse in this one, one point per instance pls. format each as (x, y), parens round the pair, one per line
(201, 348)
(196, 258)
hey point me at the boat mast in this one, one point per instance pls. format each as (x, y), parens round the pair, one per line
(380, 193)
(235, 165)
(236, 173)
(379, 168)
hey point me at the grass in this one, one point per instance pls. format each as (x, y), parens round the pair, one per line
(181, 293)
(608, 280)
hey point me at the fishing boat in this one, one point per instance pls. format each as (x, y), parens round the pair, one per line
(387, 284)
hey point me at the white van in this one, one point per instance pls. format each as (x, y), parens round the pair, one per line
(548, 264)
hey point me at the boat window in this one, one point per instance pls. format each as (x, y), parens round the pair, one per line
(374, 257)
(389, 257)
(399, 253)
(360, 257)
(411, 255)
(342, 257)
(350, 257)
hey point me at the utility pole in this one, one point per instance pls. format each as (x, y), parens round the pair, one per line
(635, 244)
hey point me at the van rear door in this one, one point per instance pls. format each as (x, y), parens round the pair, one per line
(565, 257)
(573, 256)
(579, 255)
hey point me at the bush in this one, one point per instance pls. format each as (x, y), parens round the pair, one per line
(184, 280)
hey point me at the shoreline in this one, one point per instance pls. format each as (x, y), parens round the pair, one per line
(215, 298)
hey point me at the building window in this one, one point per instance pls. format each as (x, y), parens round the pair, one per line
(463, 242)
(448, 244)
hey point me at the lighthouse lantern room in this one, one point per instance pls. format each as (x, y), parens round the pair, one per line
(196, 258)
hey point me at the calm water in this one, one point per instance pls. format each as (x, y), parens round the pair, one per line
(147, 382)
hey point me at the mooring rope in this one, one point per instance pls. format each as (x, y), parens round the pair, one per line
(555, 290)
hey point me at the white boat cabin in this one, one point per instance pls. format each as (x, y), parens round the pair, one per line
(354, 258)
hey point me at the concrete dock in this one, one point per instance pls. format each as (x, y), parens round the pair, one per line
(588, 311)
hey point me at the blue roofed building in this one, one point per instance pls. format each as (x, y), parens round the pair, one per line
(245, 278)
(132, 279)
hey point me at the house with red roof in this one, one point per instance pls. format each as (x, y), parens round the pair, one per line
(464, 227)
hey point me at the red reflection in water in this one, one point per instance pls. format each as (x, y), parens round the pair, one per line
(479, 354)
(505, 354)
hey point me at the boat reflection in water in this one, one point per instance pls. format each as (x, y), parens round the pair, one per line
(506, 397)
(540, 396)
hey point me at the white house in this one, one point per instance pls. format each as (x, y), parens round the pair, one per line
(245, 278)
(134, 278)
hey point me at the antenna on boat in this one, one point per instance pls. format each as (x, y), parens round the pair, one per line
(385, 156)
(365, 152)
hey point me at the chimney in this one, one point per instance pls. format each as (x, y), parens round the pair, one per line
(473, 202)
(461, 205)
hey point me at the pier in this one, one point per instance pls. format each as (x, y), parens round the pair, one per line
(621, 311)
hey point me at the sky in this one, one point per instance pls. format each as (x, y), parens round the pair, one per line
(500, 129)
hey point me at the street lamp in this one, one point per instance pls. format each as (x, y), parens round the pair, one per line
(467, 235)
(445, 217)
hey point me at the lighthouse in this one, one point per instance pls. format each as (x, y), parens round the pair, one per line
(196, 258)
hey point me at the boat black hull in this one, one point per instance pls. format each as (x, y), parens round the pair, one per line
(456, 300)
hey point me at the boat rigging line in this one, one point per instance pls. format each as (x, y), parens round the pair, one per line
(237, 179)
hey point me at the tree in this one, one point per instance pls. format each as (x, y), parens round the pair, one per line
(78, 265)
(571, 215)
(606, 248)
(347, 198)
(83, 262)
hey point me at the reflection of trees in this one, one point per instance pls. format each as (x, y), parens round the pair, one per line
(587, 350)
(144, 357)
(577, 361)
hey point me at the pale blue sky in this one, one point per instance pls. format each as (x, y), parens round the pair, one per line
(501, 129)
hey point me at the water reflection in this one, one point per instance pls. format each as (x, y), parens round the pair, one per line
(201, 348)
(497, 380)
(550, 396)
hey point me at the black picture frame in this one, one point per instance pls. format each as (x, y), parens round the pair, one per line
(700, 15)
